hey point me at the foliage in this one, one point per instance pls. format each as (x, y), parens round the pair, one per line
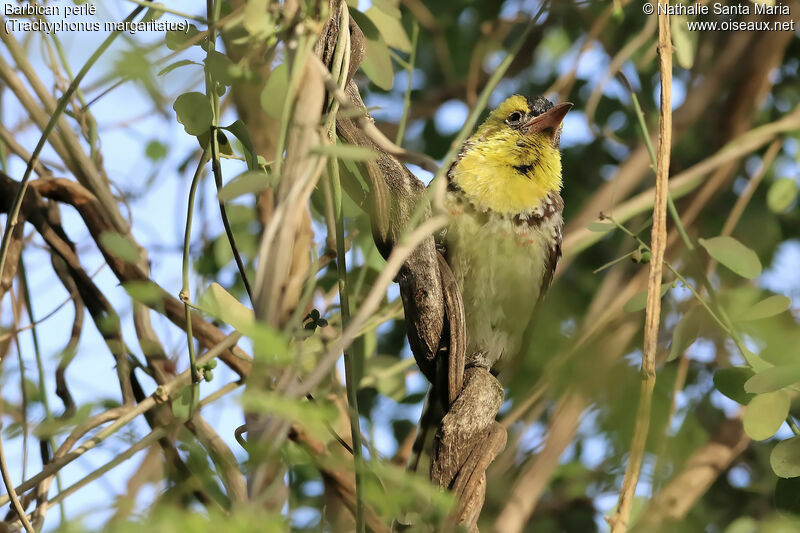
(288, 211)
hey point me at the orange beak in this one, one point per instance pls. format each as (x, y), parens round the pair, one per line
(550, 120)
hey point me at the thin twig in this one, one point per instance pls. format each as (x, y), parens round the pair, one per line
(11, 492)
(48, 413)
(125, 415)
(619, 522)
(185, 294)
(149, 439)
(11, 219)
(401, 126)
(682, 184)
(23, 389)
(399, 254)
(339, 69)
(369, 128)
(213, 11)
(750, 189)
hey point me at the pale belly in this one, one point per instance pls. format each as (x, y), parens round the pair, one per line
(499, 269)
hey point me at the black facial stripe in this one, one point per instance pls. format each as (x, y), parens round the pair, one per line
(523, 169)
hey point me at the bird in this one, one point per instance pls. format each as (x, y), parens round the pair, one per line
(503, 240)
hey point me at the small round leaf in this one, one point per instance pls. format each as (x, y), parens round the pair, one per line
(781, 194)
(194, 112)
(773, 378)
(765, 414)
(730, 382)
(155, 150)
(785, 458)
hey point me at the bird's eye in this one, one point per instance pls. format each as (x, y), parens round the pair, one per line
(514, 118)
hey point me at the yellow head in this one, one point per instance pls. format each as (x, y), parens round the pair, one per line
(512, 161)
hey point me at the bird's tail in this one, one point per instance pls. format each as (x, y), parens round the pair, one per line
(429, 420)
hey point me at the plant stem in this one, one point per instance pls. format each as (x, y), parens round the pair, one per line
(128, 413)
(350, 383)
(677, 274)
(793, 425)
(40, 368)
(185, 289)
(673, 211)
(165, 9)
(11, 492)
(658, 238)
(401, 126)
(213, 9)
(298, 65)
(13, 213)
(339, 69)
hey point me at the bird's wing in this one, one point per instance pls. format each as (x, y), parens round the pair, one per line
(555, 249)
(550, 266)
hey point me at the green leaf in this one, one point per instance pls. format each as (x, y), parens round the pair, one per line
(773, 378)
(774, 305)
(154, 13)
(765, 414)
(743, 524)
(734, 255)
(120, 247)
(781, 194)
(222, 142)
(313, 416)
(239, 130)
(787, 496)
(730, 382)
(638, 301)
(175, 39)
(685, 42)
(345, 151)
(269, 344)
(222, 68)
(274, 94)
(601, 227)
(173, 66)
(685, 333)
(756, 362)
(391, 28)
(194, 112)
(785, 458)
(219, 303)
(155, 150)
(248, 182)
(51, 427)
(257, 19)
(388, 375)
(187, 398)
(377, 63)
(145, 291)
(388, 6)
